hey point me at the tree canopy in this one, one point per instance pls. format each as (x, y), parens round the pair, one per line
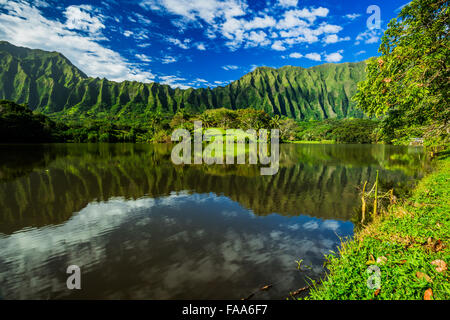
(409, 83)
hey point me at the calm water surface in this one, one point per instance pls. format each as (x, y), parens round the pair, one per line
(140, 227)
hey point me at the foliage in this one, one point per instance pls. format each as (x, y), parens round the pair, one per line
(341, 131)
(409, 83)
(354, 131)
(288, 129)
(19, 124)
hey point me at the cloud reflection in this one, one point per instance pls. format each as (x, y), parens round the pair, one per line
(199, 246)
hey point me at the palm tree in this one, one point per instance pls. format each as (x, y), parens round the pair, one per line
(206, 119)
(275, 121)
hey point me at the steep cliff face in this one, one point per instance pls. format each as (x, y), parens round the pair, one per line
(49, 82)
(316, 93)
(38, 78)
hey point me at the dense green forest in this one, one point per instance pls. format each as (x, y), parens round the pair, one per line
(50, 83)
(19, 124)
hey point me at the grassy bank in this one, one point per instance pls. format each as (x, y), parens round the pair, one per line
(409, 244)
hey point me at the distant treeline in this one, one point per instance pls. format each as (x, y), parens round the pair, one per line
(19, 124)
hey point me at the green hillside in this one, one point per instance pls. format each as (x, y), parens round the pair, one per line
(50, 83)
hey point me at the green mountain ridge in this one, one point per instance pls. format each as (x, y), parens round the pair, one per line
(50, 83)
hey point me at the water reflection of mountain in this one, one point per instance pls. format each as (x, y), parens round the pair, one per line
(182, 246)
(17, 161)
(53, 182)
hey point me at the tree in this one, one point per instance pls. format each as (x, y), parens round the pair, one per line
(222, 117)
(354, 131)
(206, 119)
(409, 83)
(253, 119)
(179, 120)
(288, 129)
(19, 124)
(275, 121)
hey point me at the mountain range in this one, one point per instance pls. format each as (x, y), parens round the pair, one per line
(48, 82)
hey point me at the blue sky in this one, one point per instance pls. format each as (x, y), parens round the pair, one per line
(195, 43)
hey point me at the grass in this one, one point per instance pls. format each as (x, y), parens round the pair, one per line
(402, 243)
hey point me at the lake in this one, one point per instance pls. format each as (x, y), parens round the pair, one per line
(140, 227)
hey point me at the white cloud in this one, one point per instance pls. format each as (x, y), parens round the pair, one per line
(278, 46)
(313, 56)
(201, 46)
(174, 81)
(352, 16)
(191, 10)
(333, 38)
(41, 3)
(360, 52)
(260, 23)
(233, 30)
(140, 35)
(77, 38)
(287, 3)
(178, 43)
(142, 19)
(257, 38)
(168, 59)
(143, 57)
(222, 83)
(329, 28)
(306, 34)
(369, 36)
(290, 20)
(143, 45)
(199, 82)
(242, 27)
(230, 67)
(334, 57)
(128, 33)
(294, 18)
(295, 55)
(81, 18)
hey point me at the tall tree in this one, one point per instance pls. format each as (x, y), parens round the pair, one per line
(409, 83)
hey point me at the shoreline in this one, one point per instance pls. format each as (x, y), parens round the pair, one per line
(406, 248)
